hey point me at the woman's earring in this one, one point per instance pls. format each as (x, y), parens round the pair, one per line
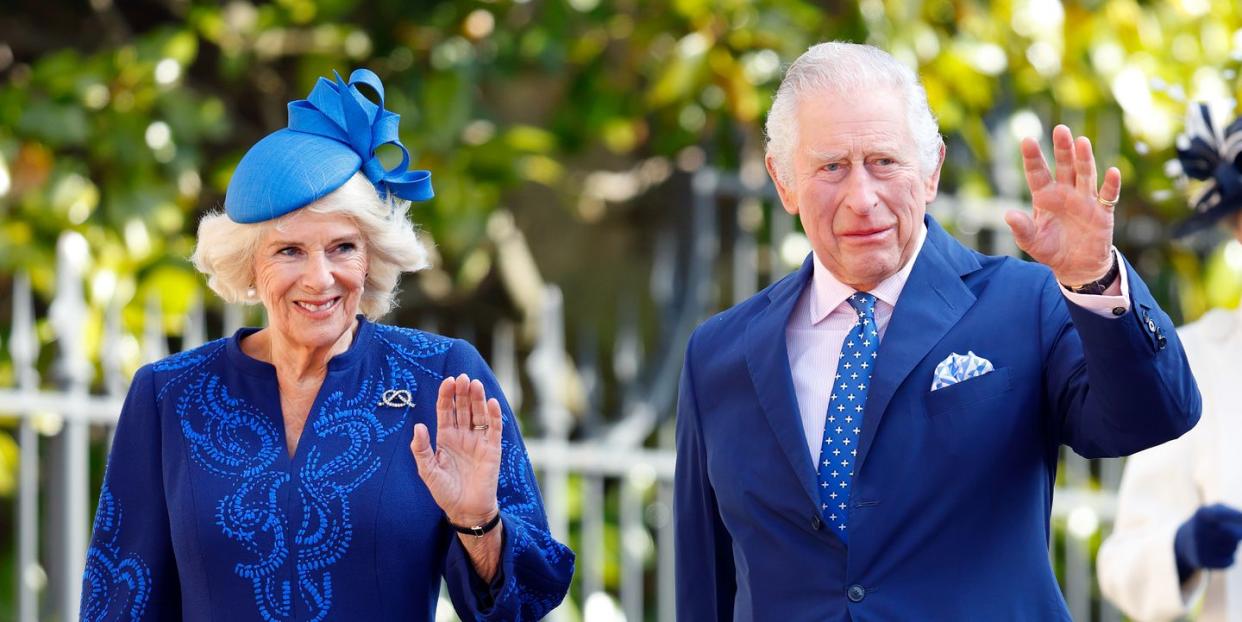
(251, 293)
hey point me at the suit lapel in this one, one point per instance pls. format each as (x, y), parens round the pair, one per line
(767, 359)
(931, 303)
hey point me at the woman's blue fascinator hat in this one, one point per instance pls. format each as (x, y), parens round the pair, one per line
(332, 134)
(1211, 152)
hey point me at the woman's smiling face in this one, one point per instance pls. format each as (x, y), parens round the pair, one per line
(309, 273)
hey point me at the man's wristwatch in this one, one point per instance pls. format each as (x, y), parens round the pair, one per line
(478, 531)
(1097, 287)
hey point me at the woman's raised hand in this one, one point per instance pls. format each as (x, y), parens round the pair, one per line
(463, 469)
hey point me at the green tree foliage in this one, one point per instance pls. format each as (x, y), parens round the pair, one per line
(123, 121)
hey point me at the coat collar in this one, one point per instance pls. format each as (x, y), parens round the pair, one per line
(767, 359)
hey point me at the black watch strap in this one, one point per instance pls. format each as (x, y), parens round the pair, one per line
(1098, 287)
(478, 531)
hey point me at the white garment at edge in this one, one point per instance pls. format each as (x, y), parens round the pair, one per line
(1164, 485)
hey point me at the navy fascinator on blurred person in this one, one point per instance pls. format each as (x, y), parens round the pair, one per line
(1210, 152)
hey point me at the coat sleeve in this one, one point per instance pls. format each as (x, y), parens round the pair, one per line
(705, 579)
(1115, 385)
(131, 573)
(1136, 565)
(535, 570)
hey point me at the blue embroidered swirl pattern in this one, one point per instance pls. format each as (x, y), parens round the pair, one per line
(518, 494)
(327, 480)
(233, 439)
(412, 346)
(117, 586)
(186, 362)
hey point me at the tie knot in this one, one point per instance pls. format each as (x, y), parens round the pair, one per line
(863, 303)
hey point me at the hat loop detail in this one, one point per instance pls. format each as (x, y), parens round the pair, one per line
(339, 111)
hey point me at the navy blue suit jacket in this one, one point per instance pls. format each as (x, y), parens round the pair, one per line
(952, 491)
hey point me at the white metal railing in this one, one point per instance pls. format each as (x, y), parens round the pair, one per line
(607, 492)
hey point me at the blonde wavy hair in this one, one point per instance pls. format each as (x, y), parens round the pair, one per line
(226, 249)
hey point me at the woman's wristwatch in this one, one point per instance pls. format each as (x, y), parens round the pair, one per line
(478, 531)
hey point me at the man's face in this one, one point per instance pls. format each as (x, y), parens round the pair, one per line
(856, 183)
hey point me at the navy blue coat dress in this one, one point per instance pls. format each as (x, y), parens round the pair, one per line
(205, 516)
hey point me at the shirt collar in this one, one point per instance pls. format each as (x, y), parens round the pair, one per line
(828, 293)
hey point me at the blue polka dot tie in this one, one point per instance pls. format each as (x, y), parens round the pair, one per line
(845, 413)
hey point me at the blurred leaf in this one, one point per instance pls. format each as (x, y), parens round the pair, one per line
(176, 286)
(530, 139)
(181, 46)
(1223, 277)
(683, 73)
(10, 455)
(59, 125)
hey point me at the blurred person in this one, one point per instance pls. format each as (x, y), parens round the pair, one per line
(325, 466)
(875, 436)
(1179, 514)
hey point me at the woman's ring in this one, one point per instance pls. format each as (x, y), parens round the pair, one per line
(480, 427)
(1105, 202)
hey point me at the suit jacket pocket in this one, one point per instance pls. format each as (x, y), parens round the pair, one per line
(968, 392)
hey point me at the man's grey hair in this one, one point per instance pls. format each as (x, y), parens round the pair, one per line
(836, 69)
(226, 250)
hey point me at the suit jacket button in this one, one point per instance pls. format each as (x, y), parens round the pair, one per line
(856, 593)
(816, 523)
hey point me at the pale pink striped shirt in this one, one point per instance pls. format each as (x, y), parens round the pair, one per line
(821, 318)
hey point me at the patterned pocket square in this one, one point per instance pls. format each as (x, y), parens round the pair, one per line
(958, 367)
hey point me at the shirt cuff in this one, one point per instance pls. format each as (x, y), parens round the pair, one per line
(1114, 302)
